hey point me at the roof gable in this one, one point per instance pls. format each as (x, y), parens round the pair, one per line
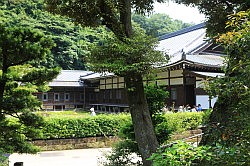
(182, 31)
(187, 40)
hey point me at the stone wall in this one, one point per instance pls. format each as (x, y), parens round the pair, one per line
(98, 142)
(76, 143)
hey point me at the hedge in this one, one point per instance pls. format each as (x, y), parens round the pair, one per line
(73, 127)
(182, 121)
(109, 125)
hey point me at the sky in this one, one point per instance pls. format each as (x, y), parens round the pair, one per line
(181, 12)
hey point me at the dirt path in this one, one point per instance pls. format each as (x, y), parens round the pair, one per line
(79, 157)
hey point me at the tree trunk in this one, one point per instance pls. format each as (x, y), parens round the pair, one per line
(3, 81)
(125, 17)
(144, 131)
(212, 131)
(143, 127)
(218, 127)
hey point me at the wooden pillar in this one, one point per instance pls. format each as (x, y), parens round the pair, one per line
(169, 86)
(84, 100)
(53, 99)
(210, 103)
(184, 86)
(74, 98)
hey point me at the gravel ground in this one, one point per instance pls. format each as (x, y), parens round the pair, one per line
(79, 157)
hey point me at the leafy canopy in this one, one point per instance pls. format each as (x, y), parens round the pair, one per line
(126, 54)
(135, 55)
(19, 46)
(71, 40)
(233, 89)
(158, 24)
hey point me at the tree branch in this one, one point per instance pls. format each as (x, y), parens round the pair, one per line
(110, 19)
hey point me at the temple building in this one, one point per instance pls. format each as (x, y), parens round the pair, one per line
(192, 60)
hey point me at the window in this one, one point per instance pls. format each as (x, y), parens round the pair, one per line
(118, 94)
(45, 96)
(66, 96)
(173, 94)
(110, 94)
(56, 97)
(106, 95)
(82, 96)
(92, 96)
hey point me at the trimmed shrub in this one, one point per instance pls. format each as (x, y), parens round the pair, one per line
(110, 124)
(73, 127)
(162, 129)
(156, 96)
(183, 121)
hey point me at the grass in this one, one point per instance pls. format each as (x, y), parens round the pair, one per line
(64, 114)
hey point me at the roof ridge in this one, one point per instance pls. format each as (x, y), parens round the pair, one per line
(182, 31)
(75, 70)
(88, 74)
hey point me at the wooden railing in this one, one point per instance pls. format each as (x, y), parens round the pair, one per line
(197, 136)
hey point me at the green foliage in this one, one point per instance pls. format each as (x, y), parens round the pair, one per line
(19, 46)
(63, 114)
(130, 53)
(133, 55)
(4, 162)
(127, 131)
(158, 24)
(122, 55)
(79, 127)
(71, 40)
(3, 158)
(162, 129)
(124, 153)
(164, 125)
(228, 128)
(156, 98)
(106, 12)
(237, 155)
(231, 113)
(182, 121)
(206, 116)
(180, 154)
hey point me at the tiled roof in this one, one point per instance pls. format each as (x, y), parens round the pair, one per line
(69, 78)
(64, 83)
(210, 60)
(96, 75)
(205, 60)
(209, 74)
(182, 31)
(186, 40)
(187, 45)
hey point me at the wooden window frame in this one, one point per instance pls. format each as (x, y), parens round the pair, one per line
(68, 98)
(47, 96)
(55, 94)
